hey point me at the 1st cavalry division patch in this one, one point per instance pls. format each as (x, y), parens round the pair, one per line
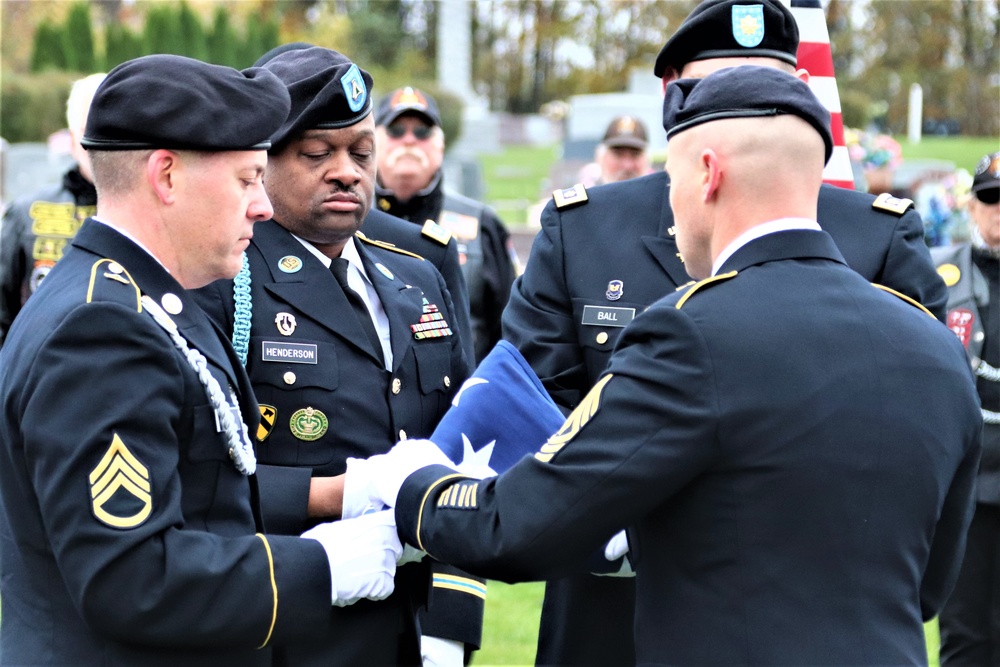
(576, 421)
(120, 492)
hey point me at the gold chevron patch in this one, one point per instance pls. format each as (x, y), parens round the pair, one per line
(119, 488)
(576, 421)
(268, 415)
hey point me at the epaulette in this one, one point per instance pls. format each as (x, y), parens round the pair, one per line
(568, 197)
(386, 246)
(895, 205)
(701, 283)
(909, 300)
(108, 269)
(436, 232)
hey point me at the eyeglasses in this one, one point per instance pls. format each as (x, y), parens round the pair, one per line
(398, 131)
(989, 195)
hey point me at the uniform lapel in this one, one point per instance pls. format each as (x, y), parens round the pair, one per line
(663, 246)
(310, 289)
(403, 304)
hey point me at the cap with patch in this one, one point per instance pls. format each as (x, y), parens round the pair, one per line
(174, 102)
(987, 173)
(743, 92)
(407, 100)
(626, 132)
(732, 28)
(327, 90)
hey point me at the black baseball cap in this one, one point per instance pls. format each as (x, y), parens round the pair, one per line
(407, 100)
(626, 132)
(986, 181)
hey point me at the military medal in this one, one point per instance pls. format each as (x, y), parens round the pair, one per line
(431, 325)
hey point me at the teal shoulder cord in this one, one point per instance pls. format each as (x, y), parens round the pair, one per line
(244, 309)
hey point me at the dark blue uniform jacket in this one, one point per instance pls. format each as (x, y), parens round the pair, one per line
(795, 449)
(127, 536)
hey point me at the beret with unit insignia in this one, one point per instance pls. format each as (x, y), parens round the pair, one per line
(327, 90)
(732, 29)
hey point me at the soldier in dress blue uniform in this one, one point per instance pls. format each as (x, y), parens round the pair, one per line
(604, 254)
(970, 622)
(793, 448)
(431, 241)
(129, 528)
(342, 370)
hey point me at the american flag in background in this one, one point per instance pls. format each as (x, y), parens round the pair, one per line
(814, 55)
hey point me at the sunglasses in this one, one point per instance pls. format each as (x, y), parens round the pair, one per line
(398, 131)
(989, 195)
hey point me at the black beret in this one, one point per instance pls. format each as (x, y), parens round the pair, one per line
(743, 92)
(732, 28)
(407, 100)
(167, 101)
(278, 50)
(328, 91)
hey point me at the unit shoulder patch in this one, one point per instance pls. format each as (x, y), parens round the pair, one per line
(436, 232)
(895, 205)
(703, 283)
(385, 246)
(569, 197)
(909, 300)
(120, 491)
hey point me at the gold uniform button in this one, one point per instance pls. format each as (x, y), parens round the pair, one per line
(397, 385)
(602, 338)
(402, 434)
(447, 381)
(289, 378)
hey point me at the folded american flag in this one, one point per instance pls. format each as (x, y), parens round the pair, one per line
(501, 413)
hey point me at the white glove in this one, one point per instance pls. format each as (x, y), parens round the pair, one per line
(377, 479)
(438, 652)
(617, 547)
(362, 554)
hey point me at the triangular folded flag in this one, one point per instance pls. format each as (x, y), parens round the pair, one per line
(499, 414)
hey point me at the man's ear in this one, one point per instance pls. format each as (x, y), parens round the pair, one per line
(803, 75)
(161, 172)
(711, 174)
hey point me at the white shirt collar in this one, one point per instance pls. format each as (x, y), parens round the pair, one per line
(757, 231)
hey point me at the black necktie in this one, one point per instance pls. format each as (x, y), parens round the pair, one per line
(339, 269)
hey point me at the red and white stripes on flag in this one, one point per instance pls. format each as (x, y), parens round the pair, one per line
(814, 56)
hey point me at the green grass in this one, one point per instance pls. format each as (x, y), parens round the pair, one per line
(964, 152)
(510, 629)
(514, 179)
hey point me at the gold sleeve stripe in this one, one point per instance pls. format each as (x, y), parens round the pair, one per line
(274, 590)
(93, 276)
(423, 503)
(460, 584)
(701, 283)
(912, 302)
